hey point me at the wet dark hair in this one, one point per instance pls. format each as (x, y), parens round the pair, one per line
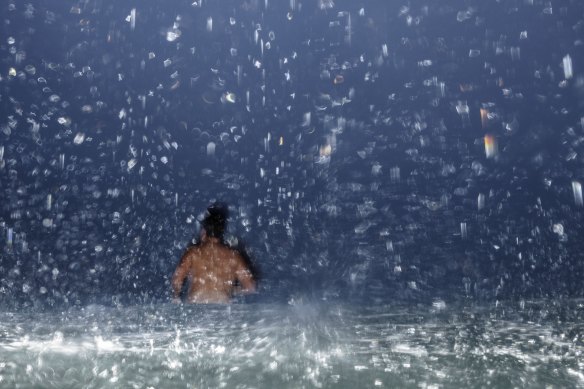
(215, 220)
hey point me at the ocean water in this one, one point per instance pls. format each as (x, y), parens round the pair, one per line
(529, 344)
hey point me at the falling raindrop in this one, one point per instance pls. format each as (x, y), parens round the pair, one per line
(211, 149)
(567, 62)
(577, 190)
(79, 138)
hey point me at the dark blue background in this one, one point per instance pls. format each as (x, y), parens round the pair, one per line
(317, 228)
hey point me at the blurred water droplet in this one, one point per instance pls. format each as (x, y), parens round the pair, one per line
(79, 138)
(171, 36)
(133, 18)
(481, 201)
(577, 190)
(228, 97)
(567, 64)
(558, 229)
(9, 237)
(211, 149)
(131, 163)
(461, 16)
(64, 121)
(439, 304)
(490, 146)
(394, 174)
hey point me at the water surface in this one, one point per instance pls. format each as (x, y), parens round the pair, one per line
(525, 344)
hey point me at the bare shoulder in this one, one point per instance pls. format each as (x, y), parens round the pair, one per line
(191, 254)
(237, 259)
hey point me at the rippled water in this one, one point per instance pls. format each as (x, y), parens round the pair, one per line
(525, 344)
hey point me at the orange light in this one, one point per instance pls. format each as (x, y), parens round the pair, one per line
(490, 146)
(484, 117)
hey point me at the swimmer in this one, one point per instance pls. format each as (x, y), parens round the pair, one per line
(216, 271)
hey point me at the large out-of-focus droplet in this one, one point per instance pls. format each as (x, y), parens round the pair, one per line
(394, 174)
(463, 230)
(481, 201)
(172, 35)
(577, 189)
(567, 62)
(64, 121)
(79, 138)
(462, 108)
(211, 149)
(229, 97)
(306, 119)
(9, 237)
(490, 146)
(131, 163)
(133, 18)
(484, 117)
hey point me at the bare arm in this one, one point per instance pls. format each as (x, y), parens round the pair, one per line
(244, 276)
(181, 272)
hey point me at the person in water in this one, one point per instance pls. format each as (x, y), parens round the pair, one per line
(216, 271)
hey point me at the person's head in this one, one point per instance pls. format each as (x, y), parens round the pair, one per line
(215, 221)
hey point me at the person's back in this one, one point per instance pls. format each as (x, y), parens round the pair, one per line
(215, 271)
